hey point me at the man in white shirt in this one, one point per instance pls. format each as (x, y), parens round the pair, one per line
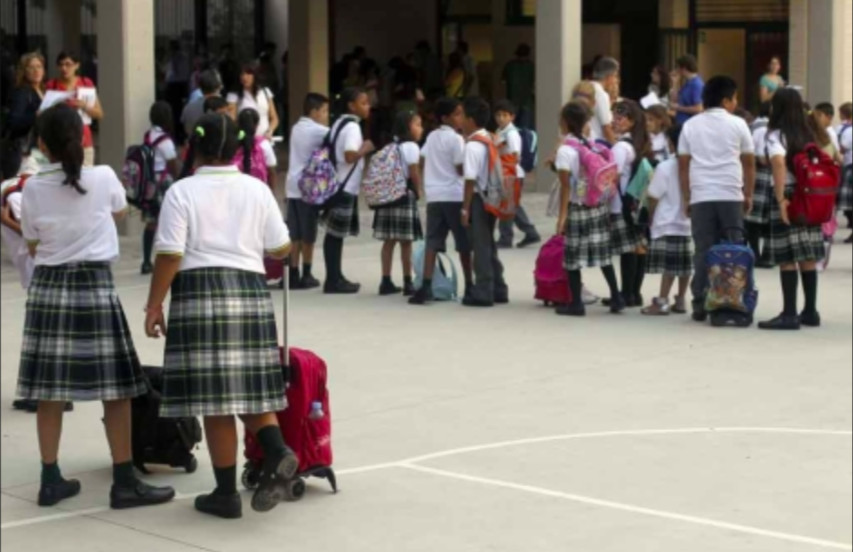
(306, 137)
(606, 76)
(489, 287)
(717, 173)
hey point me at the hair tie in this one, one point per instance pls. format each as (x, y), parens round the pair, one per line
(241, 135)
(200, 131)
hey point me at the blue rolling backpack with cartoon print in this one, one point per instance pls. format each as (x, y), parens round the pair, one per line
(732, 295)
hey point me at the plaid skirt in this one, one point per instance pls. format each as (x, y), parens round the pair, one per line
(222, 355)
(77, 344)
(671, 255)
(763, 198)
(587, 237)
(845, 194)
(401, 223)
(792, 244)
(151, 211)
(342, 219)
(623, 238)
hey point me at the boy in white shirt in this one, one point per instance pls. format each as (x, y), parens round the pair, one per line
(489, 287)
(509, 146)
(671, 251)
(306, 137)
(717, 174)
(606, 77)
(845, 142)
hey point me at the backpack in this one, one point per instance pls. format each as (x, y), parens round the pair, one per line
(529, 149)
(552, 280)
(503, 192)
(602, 174)
(385, 184)
(138, 176)
(818, 178)
(731, 277)
(258, 161)
(318, 182)
(445, 286)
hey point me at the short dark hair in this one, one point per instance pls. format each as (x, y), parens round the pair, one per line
(402, 126)
(688, 63)
(605, 67)
(826, 108)
(160, 115)
(846, 110)
(214, 104)
(765, 109)
(215, 138)
(208, 82)
(478, 110)
(67, 54)
(445, 107)
(313, 102)
(718, 89)
(506, 106)
(674, 134)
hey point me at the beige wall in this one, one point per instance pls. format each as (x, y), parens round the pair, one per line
(383, 27)
(309, 52)
(721, 53)
(605, 40)
(674, 14)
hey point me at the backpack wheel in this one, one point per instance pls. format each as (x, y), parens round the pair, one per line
(191, 465)
(250, 478)
(295, 490)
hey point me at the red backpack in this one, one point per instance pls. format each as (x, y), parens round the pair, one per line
(818, 179)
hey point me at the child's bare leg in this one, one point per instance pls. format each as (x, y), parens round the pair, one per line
(406, 258)
(666, 283)
(387, 257)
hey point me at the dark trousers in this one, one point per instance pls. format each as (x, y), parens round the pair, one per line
(522, 221)
(710, 220)
(489, 280)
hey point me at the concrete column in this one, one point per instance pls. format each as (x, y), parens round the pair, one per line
(62, 28)
(559, 26)
(309, 51)
(825, 37)
(126, 65)
(276, 30)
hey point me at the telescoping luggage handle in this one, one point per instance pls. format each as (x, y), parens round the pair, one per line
(734, 234)
(285, 366)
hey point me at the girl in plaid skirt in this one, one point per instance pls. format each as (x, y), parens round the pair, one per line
(77, 344)
(402, 223)
(222, 355)
(792, 248)
(757, 221)
(587, 229)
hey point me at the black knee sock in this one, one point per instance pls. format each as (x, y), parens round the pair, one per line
(641, 275)
(810, 290)
(790, 279)
(753, 237)
(226, 480)
(332, 250)
(273, 444)
(386, 280)
(628, 269)
(407, 280)
(610, 276)
(50, 474)
(306, 270)
(147, 244)
(575, 287)
(123, 475)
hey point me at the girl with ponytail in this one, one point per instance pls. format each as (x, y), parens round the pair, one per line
(77, 344)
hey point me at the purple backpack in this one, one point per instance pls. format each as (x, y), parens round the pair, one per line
(318, 182)
(258, 163)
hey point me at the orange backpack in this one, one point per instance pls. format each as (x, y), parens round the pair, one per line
(502, 195)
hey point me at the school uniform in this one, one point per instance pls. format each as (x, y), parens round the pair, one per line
(588, 228)
(401, 222)
(489, 285)
(221, 344)
(342, 219)
(77, 344)
(17, 248)
(260, 103)
(790, 244)
(164, 151)
(306, 137)
(510, 143)
(671, 250)
(845, 196)
(660, 147)
(88, 140)
(444, 187)
(764, 194)
(624, 238)
(602, 115)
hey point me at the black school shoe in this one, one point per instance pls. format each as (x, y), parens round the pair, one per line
(781, 322)
(140, 494)
(50, 495)
(271, 489)
(501, 299)
(471, 302)
(617, 304)
(220, 505)
(810, 319)
(422, 296)
(528, 241)
(388, 288)
(341, 287)
(572, 310)
(147, 268)
(309, 282)
(503, 245)
(699, 312)
(408, 289)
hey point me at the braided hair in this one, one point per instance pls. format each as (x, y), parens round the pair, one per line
(61, 130)
(214, 139)
(247, 123)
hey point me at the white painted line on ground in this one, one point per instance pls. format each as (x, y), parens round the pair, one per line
(633, 509)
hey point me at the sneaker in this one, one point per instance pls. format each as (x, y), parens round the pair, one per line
(342, 287)
(50, 495)
(310, 282)
(659, 307)
(388, 288)
(422, 296)
(276, 283)
(528, 241)
(810, 319)
(220, 505)
(271, 488)
(781, 322)
(147, 268)
(589, 298)
(140, 494)
(680, 305)
(572, 310)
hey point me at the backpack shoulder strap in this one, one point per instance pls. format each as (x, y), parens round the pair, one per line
(332, 140)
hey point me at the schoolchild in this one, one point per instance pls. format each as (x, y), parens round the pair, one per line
(757, 221)
(845, 142)
(255, 156)
(659, 123)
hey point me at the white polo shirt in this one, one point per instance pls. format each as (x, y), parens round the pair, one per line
(260, 103)
(69, 226)
(476, 165)
(165, 150)
(350, 140)
(846, 143)
(411, 155)
(602, 114)
(669, 218)
(16, 247)
(443, 152)
(306, 137)
(624, 156)
(509, 142)
(568, 160)
(715, 141)
(220, 217)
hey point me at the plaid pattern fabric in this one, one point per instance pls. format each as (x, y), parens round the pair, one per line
(763, 198)
(150, 213)
(402, 223)
(587, 237)
(623, 238)
(222, 354)
(77, 344)
(792, 244)
(671, 255)
(342, 219)
(845, 194)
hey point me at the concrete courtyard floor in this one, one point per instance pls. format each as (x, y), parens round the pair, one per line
(502, 430)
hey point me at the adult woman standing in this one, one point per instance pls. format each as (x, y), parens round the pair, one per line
(222, 354)
(69, 81)
(661, 85)
(771, 81)
(255, 96)
(77, 344)
(26, 98)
